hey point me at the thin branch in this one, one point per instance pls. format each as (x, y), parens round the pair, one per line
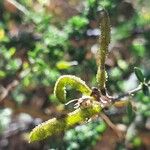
(71, 101)
(119, 97)
(18, 6)
(111, 125)
(7, 90)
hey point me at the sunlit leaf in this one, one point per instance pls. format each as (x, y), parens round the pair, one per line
(12, 51)
(78, 22)
(137, 141)
(61, 65)
(2, 34)
(2, 74)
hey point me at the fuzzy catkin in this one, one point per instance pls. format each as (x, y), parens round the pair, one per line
(55, 126)
(74, 82)
(103, 51)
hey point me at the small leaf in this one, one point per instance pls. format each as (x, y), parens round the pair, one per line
(2, 74)
(145, 89)
(62, 65)
(12, 51)
(139, 74)
(137, 141)
(78, 22)
(130, 111)
(2, 34)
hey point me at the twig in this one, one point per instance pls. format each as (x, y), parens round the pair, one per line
(118, 98)
(111, 125)
(71, 101)
(7, 90)
(18, 6)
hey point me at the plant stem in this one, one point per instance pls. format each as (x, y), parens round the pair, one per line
(18, 6)
(119, 97)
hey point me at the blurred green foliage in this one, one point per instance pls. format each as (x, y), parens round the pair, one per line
(88, 133)
(37, 47)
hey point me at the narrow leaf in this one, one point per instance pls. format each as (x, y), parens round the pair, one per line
(62, 65)
(130, 111)
(145, 89)
(139, 74)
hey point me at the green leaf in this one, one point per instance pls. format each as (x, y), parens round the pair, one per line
(145, 89)
(101, 127)
(137, 141)
(2, 34)
(78, 22)
(139, 74)
(62, 65)
(130, 111)
(12, 51)
(138, 48)
(73, 82)
(2, 74)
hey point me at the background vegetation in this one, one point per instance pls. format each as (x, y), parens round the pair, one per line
(41, 40)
